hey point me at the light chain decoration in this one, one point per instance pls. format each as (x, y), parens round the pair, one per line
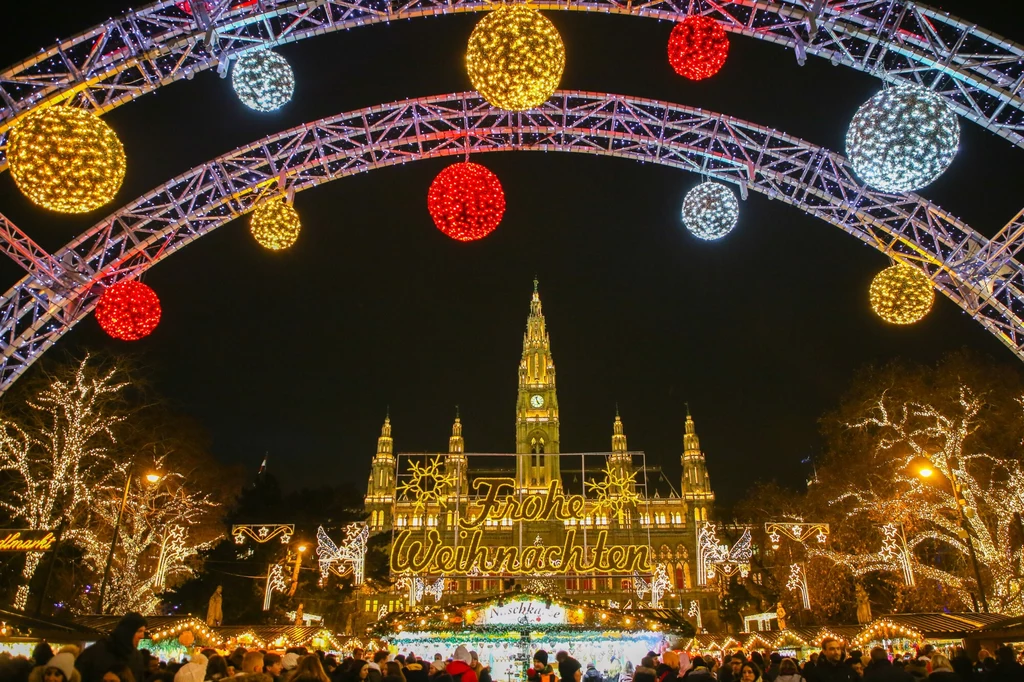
(276, 582)
(710, 211)
(713, 556)
(798, 583)
(37, 311)
(694, 612)
(895, 551)
(902, 139)
(798, 531)
(350, 556)
(901, 294)
(616, 494)
(263, 80)
(421, 588)
(515, 57)
(262, 532)
(972, 68)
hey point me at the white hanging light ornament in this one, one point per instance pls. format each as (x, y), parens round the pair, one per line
(902, 139)
(263, 80)
(710, 211)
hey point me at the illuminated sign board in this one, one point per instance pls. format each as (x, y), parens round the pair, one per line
(418, 552)
(523, 612)
(26, 540)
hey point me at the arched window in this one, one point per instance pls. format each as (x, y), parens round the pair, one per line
(703, 514)
(678, 578)
(696, 515)
(686, 574)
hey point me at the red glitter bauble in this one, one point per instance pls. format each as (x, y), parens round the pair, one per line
(697, 47)
(466, 201)
(129, 310)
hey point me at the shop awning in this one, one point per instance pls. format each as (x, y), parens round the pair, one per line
(925, 626)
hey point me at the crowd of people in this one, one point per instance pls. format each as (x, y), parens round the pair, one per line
(118, 658)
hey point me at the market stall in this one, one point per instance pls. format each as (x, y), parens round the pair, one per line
(506, 631)
(902, 633)
(20, 633)
(281, 637)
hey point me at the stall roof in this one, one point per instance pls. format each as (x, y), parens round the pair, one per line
(1007, 629)
(927, 625)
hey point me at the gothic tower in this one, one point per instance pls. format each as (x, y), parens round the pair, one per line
(537, 405)
(380, 491)
(455, 462)
(620, 460)
(696, 484)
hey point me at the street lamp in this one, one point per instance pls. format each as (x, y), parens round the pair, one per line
(964, 513)
(150, 478)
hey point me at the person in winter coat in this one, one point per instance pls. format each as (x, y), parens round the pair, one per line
(774, 664)
(942, 670)
(1006, 668)
(483, 672)
(788, 672)
(460, 668)
(122, 646)
(541, 671)
(881, 669)
(750, 672)
(193, 671)
(592, 674)
(699, 671)
(415, 671)
(645, 672)
(669, 668)
(119, 672)
(60, 668)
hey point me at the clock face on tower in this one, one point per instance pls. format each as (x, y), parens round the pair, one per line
(537, 401)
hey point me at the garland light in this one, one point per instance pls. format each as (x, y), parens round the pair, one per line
(66, 159)
(129, 310)
(466, 201)
(515, 58)
(263, 80)
(710, 210)
(902, 139)
(275, 225)
(697, 47)
(901, 294)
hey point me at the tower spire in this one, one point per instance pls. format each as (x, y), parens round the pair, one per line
(537, 404)
(695, 473)
(455, 444)
(618, 434)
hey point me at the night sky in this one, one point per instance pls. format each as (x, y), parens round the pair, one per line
(300, 353)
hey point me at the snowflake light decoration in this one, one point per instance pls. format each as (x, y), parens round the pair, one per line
(902, 139)
(515, 58)
(616, 493)
(710, 211)
(263, 80)
(427, 483)
(901, 294)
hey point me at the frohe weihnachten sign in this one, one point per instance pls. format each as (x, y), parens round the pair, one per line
(417, 552)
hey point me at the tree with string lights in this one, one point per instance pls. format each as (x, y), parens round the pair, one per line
(55, 456)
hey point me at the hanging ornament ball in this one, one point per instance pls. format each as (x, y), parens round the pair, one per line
(902, 139)
(129, 310)
(901, 294)
(66, 159)
(263, 80)
(697, 47)
(186, 638)
(466, 201)
(710, 210)
(275, 225)
(515, 58)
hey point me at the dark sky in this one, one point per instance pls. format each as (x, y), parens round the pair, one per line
(299, 353)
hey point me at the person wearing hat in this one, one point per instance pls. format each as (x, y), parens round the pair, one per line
(193, 671)
(122, 646)
(60, 668)
(461, 666)
(541, 671)
(290, 661)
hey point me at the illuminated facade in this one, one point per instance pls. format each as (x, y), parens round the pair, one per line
(437, 497)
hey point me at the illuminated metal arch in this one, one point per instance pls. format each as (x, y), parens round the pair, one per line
(980, 74)
(65, 287)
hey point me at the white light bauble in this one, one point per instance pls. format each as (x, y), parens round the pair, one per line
(710, 210)
(902, 139)
(263, 80)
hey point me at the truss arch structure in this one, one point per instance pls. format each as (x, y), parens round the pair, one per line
(41, 308)
(980, 74)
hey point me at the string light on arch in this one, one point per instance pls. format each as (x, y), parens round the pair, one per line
(66, 159)
(263, 80)
(710, 211)
(515, 58)
(902, 139)
(129, 310)
(275, 224)
(466, 201)
(697, 47)
(901, 294)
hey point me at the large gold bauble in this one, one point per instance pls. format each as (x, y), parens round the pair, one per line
(275, 225)
(66, 159)
(901, 294)
(515, 58)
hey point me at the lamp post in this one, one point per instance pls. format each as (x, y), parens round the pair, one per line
(151, 478)
(965, 532)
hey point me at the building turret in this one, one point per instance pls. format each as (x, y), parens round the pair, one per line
(695, 484)
(537, 405)
(620, 461)
(455, 462)
(380, 491)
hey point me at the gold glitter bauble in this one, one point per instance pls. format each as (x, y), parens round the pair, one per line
(901, 294)
(275, 225)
